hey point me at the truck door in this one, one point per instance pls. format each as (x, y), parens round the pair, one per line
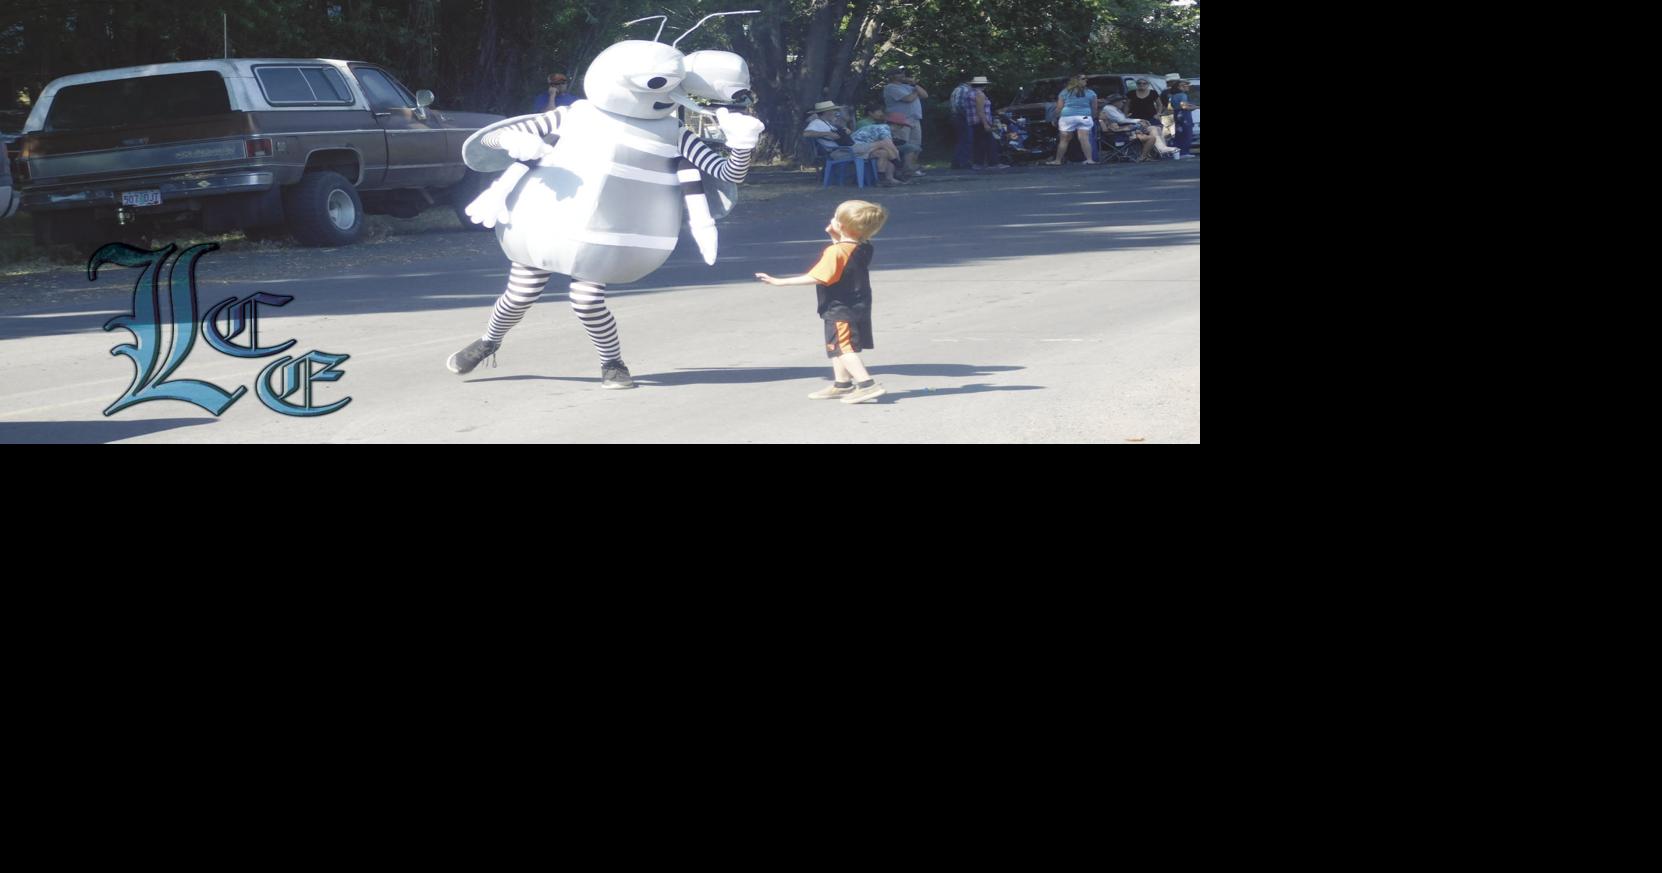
(415, 147)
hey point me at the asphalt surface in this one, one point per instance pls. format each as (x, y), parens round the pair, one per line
(1034, 305)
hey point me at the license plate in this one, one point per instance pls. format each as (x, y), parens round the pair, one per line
(141, 198)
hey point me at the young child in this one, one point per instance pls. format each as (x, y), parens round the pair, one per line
(845, 299)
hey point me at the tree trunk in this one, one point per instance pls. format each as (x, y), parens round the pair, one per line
(763, 48)
(839, 72)
(485, 70)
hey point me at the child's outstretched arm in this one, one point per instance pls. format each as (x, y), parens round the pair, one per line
(803, 279)
(827, 271)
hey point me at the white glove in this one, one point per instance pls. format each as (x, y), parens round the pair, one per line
(742, 131)
(490, 208)
(521, 146)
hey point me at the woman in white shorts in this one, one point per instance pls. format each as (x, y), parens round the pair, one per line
(1075, 107)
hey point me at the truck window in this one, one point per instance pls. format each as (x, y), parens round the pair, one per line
(383, 92)
(138, 100)
(328, 85)
(302, 85)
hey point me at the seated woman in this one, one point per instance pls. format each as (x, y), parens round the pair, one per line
(1115, 120)
(874, 139)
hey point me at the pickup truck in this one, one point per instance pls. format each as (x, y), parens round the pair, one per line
(259, 145)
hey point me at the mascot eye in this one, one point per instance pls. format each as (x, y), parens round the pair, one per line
(650, 82)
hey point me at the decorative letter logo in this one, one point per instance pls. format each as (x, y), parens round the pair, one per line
(153, 368)
(299, 376)
(246, 314)
(150, 381)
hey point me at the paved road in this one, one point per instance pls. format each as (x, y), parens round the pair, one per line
(1040, 305)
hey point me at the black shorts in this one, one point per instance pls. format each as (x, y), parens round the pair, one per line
(843, 337)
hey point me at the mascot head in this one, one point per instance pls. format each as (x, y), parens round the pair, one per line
(636, 78)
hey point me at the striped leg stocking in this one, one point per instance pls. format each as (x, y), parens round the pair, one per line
(525, 285)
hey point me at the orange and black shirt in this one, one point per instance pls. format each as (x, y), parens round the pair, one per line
(844, 281)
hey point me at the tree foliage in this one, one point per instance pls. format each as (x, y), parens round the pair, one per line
(492, 55)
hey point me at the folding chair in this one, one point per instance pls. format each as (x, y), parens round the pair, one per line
(1120, 146)
(839, 159)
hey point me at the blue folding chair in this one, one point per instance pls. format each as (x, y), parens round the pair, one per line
(865, 171)
(837, 159)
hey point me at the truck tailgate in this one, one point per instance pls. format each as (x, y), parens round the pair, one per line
(108, 154)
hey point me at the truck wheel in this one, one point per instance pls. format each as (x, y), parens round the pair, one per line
(324, 209)
(471, 186)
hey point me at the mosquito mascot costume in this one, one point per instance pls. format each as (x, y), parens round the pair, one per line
(595, 190)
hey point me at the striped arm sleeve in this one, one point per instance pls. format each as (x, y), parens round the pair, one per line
(546, 125)
(732, 169)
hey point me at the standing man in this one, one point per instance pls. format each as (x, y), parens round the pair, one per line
(903, 99)
(557, 95)
(981, 127)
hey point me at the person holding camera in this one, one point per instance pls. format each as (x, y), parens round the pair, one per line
(557, 95)
(903, 101)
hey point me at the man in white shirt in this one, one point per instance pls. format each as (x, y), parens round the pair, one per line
(1114, 119)
(823, 133)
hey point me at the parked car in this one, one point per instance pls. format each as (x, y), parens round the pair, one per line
(262, 145)
(8, 195)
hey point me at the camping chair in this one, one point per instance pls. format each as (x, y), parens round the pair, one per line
(836, 159)
(1119, 146)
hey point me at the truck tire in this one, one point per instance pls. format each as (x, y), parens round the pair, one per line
(324, 209)
(471, 186)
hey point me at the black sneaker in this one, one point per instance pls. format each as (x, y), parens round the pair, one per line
(476, 352)
(615, 374)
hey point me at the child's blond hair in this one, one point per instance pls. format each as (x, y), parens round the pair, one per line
(861, 219)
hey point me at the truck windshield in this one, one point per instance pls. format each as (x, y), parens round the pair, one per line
(139, 100)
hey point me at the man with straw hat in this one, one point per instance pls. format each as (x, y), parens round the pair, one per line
(825, 133)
